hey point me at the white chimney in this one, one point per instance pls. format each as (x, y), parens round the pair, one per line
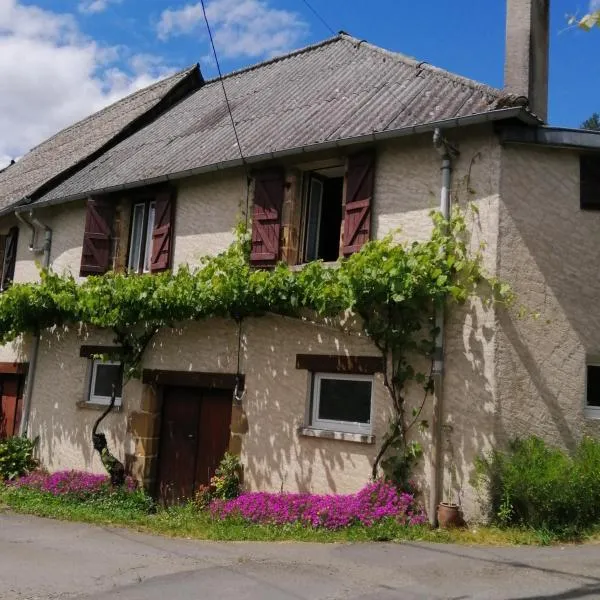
(527, 49)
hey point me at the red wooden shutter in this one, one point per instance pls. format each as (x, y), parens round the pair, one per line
(359, 194)
(162, 234)
(269, 190)
(95, 256)
(10, 257)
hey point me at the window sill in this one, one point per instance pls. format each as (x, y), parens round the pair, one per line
(592, 413)
(98, 406)
(342, 436)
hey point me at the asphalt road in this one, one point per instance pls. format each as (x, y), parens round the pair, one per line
(50, 560)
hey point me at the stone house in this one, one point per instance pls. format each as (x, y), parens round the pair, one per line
(343, 142)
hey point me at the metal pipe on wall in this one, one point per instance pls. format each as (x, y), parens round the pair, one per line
(447, 152)
(35, 343)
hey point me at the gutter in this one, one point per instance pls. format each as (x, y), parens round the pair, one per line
(554, 137)
(376, 136)
(447, 152)
(44, 249)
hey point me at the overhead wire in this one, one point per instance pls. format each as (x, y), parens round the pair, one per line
(319, 17)
(239, 390)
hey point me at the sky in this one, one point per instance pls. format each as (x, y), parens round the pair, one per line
(61, 60)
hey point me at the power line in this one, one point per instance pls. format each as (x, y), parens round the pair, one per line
(314, 12)
(239, 391)
(212, 43)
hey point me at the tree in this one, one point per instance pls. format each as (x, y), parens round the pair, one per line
(592, 122)
(591, 19)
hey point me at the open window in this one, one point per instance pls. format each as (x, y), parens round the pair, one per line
(589, 189)
(322, 215)
(140, 238)
(150, 244)
(592, 393)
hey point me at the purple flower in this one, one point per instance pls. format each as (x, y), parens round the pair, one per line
(376, 501)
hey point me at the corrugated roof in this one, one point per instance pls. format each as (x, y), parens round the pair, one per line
(65, 150)
(337, 89)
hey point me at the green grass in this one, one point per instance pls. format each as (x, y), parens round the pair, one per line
(186, 521)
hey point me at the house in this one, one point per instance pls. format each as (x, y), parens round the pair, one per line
(343, 142)
(48, 164)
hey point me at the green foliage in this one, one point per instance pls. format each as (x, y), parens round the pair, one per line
(592, 122)
(394, 288)
(16, 457)
(225, 484)
(536, 485)
(587, 22)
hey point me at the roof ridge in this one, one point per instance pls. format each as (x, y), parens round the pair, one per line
(275, 59)
(103, 110)
(412, 61)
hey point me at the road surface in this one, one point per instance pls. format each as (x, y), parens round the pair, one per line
(51, 560)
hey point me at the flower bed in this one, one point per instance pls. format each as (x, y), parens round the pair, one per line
(76, 484)
(376, 501)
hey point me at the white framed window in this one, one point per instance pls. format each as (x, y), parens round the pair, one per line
(105, 374)
(342, 402)
(140, 239)
(592, 389)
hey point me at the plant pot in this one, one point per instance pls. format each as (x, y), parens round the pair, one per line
(449, 515)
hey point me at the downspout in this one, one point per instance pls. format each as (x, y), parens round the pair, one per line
(32, 223)
(447, 152)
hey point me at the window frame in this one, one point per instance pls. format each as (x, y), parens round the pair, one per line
(305, 198)
(145, 245)
(591, 412)
(337, 425)
(90, 397)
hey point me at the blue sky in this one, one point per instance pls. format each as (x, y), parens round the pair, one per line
(64, 59)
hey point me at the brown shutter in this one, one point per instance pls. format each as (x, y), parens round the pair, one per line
(95, 256)
(589, 169)
(269, 189)
(360, 180)
(162, 234)
(10, 257)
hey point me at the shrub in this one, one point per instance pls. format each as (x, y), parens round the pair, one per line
(16, 457)
(537, 485)
(375, 502)
(225, 484)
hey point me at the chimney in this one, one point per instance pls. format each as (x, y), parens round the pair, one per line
(527, 49)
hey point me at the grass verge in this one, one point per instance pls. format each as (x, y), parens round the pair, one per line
(186, 521)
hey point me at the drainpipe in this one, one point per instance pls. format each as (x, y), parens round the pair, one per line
(447, 152)
(32, 223)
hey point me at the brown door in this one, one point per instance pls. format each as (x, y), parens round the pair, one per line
(194, 437)
(215, 425)
(11, 387)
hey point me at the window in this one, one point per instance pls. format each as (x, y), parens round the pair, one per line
(592, 396)
(342, 402)
(140, 240)
(589, 171)
(324, 192)
(8, 251)
(105, 374)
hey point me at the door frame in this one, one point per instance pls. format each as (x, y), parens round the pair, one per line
(159, 379)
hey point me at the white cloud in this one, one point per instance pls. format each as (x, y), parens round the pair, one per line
(248, 28)
(52, 75)
(95, 6)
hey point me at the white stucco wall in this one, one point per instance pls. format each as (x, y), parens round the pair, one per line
(406, 189)
(549, 253)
